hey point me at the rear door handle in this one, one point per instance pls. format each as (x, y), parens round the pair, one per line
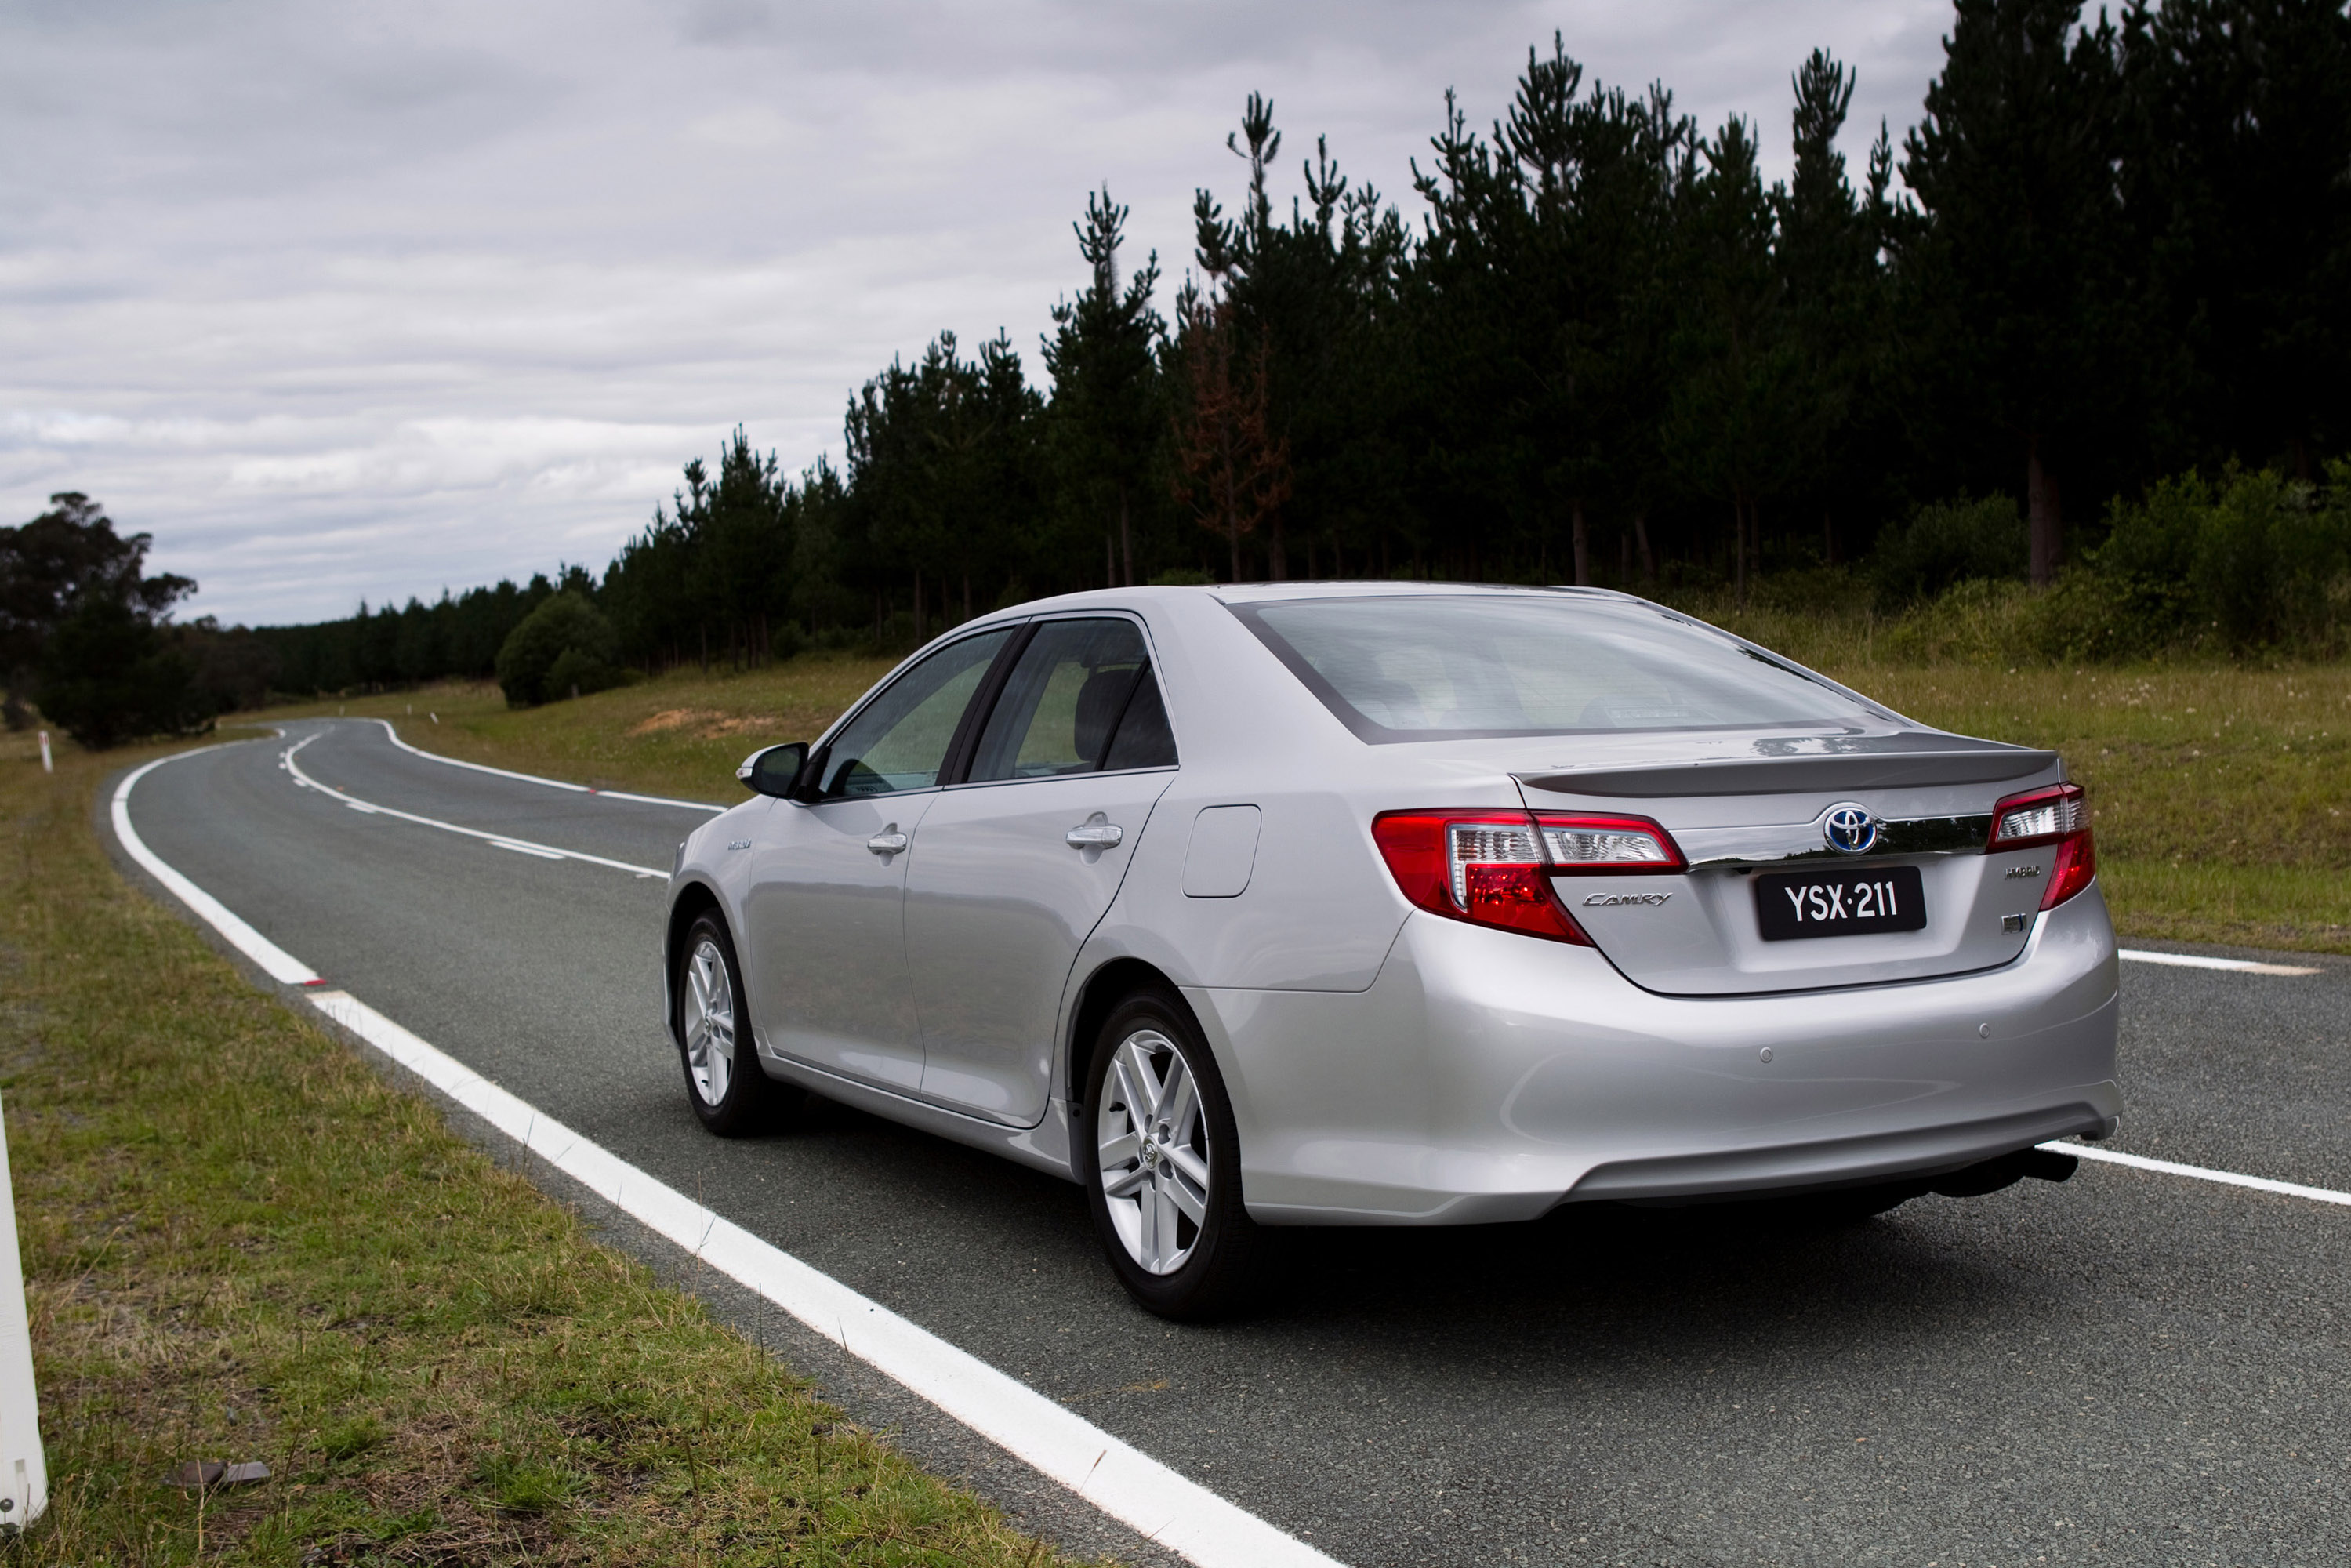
(1094, 836)
(889, 841)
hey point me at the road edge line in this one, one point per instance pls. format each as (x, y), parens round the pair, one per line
(1139, 1491)
(539, 778)
(2199, 961)
(2200, 1173)
(274, 961)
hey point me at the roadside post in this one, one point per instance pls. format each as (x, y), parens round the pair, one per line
(24, 1473)
(47, 766)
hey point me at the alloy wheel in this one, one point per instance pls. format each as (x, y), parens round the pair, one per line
(709, 1022)
(1153, 1150)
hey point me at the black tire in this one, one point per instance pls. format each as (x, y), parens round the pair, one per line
(727, 1088)
(1213, 1264)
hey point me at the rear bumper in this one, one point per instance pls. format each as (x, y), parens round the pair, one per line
(1487, 1076)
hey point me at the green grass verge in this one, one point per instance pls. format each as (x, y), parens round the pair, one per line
(241, 1243)
(679, 733)
(2222, 794)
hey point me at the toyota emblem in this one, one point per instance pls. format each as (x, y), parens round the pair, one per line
(1850, 830)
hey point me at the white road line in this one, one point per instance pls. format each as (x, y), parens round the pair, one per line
(550, 783)
(274, 961)
(502, 840)
(2198, 961)
(2201, 1173)
(1123, 1482)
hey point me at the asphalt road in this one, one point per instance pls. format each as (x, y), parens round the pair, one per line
(2130, 1368)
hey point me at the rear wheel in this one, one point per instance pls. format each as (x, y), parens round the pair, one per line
(1160, 1159)
(723, 1080)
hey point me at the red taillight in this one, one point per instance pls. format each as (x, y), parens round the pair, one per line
(2060, 815)
(2076, 867)
(1494, 868)
(1518, 897)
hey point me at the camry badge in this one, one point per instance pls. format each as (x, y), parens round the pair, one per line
(1849, 829)
(1616, 900)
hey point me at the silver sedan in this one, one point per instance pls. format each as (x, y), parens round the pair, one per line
(1400, 904)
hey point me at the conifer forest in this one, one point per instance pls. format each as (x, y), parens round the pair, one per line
(2108, 268)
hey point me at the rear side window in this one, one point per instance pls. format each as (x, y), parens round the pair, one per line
(1446, 666)
(1143, 739)
(1080, 692)
(900, 739)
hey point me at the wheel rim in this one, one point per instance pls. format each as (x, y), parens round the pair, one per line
(709, 1022)
(1153, 1142)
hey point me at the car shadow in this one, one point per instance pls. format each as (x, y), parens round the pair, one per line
(957, 1224)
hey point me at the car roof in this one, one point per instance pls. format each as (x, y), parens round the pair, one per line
(1244, 594)
(1264, 593)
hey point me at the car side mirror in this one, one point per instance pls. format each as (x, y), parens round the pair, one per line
(775, 771)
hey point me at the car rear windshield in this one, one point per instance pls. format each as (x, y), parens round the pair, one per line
(1455, 666)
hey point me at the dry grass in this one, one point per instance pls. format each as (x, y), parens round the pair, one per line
(241, 1244)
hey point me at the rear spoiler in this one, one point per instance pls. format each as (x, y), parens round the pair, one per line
(1953, 760)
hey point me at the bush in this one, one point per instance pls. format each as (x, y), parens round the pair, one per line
(563, 644)
(2252, 561)
(1946, 543)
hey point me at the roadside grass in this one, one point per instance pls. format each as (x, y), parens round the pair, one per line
(2223, 792)
(240, 1243)
(680, 733)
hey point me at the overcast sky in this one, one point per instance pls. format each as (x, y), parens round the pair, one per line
(345, 301)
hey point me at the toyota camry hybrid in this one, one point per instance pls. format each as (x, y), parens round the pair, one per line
(1382, 904)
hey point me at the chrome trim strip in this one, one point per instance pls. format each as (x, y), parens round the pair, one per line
(1869, 763)
(1784, 842)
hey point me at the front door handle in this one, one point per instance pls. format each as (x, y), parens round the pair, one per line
(888, 841)
(1094, 836)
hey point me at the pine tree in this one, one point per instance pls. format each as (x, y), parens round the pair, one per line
(1103, 361)
(1827, 253)
(2012, 282)
(1736, 411)
(2236, 178)
(1233, 470)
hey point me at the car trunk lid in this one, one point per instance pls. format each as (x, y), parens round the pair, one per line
(1902, 891)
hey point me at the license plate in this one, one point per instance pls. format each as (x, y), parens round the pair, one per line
(1840, 903)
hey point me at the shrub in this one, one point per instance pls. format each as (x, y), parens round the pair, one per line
(1948, 542)
(2250, 562)
(563, 643)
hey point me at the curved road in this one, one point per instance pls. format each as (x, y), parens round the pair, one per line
(2131, 1368)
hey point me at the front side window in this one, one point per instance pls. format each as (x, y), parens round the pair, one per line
(1081, 697)
(1449, 667)
(900, 739)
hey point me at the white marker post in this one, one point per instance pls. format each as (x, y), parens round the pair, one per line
(47, 766)
(24, 1473)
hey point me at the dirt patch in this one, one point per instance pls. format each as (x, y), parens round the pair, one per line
(673, 718)
(702, 723)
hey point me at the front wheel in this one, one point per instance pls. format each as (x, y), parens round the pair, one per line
(723, 1080)
(1160, 1160)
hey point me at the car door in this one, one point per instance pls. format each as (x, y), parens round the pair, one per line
(1016, 866)
(827, 955)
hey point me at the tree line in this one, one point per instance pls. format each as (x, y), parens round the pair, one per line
(2110, 254)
